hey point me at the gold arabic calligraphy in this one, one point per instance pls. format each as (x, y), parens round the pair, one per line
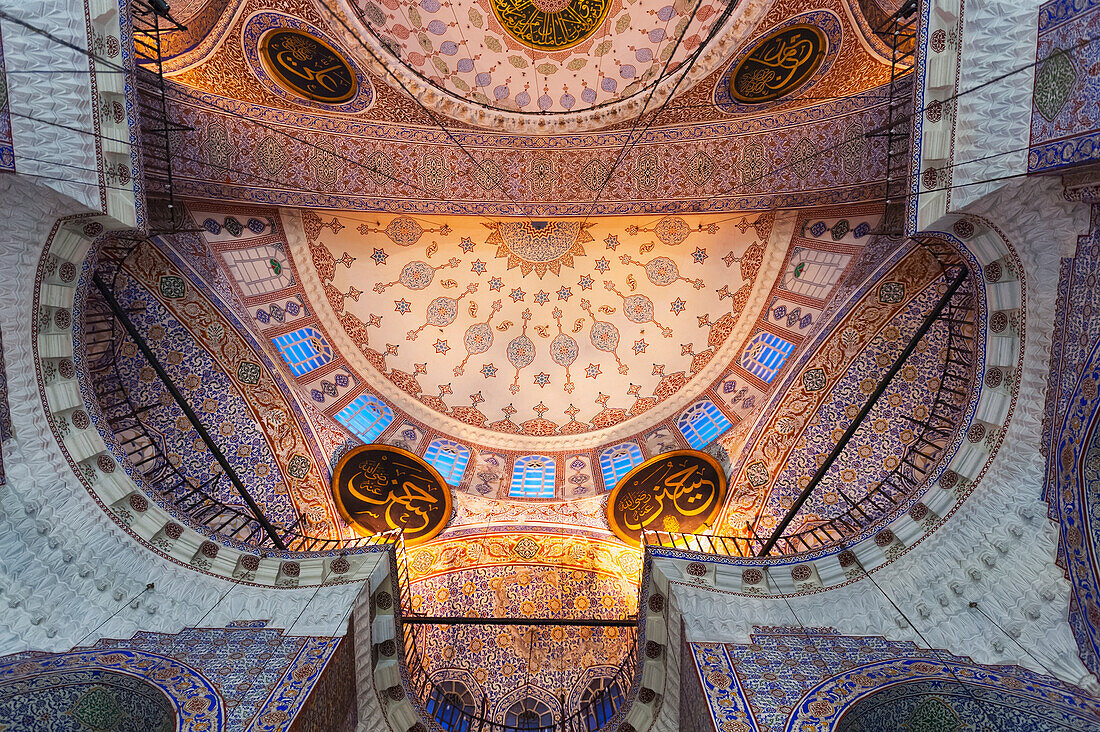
(308, 66)
(778, 64)
(380, 488)
(551, 24)
(642, 509)
(678, 491)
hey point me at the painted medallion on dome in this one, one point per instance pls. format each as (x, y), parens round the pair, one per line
(679, 491)
(381, 488)
(308, 66)
(550, 25)
(539, 246)
(778, 64)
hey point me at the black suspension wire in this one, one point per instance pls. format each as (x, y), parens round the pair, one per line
(976, 606)
(148, 588)
(826, 667)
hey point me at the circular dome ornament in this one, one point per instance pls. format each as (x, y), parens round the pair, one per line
(298, 62)
(380, 488)
(680, 491)
(551, 25)
(778, 64)
(306, 65)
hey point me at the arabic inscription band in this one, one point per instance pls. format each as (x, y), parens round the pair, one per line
(380, 488)
(680, 491)
(307, 66)
(778, 64)
(551, 25)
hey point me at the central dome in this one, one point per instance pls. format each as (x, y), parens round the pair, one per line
(534, 57)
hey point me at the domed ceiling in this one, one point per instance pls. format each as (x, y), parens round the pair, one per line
(532, 56)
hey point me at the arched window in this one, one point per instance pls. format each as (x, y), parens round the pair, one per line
(615, 462)
(529, 714)
(259, 270)
(304, 350)
(701, 424)
(449, 458)
(599, 700)
(366, 417)
(533, 477)
(813, 273)
(765, 355)
(452, 705)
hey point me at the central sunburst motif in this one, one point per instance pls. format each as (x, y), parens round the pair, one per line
(539, 246)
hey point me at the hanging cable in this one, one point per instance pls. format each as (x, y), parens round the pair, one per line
(148, 588)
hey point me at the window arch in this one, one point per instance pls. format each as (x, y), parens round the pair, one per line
(304, 350)
(529, 714)
(367, 417)
(452, 705)
(533, 477)
(701, 424)
(765, 355)
(259, 270)
(599, 700)
(449, 458)
(617, 461)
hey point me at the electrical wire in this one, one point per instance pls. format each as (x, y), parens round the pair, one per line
(148, 588)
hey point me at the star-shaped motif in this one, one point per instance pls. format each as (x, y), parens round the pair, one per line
(441, 346)
(678, 306)
(478, 266)
(602, 399)
(542, 297)
(467, 244)
(542, 379)
(488, 370)
(379, 256)
(565, 293)
(602, 265)
(454, 262)
(592, 371)
(699, 255)
(402, 306)
(639, 346)
(724, 292)
(704, 321)
(658, 369)
(586, 283)
(611, 241)
(517, 295)
(444, 390)
(420, 368)
(687, 349)
(375, 320)
(572, 412)
(476, 399)
(495, 284)
(391, 349)
(541, 409)
(556, 313)
(634, 390)
(730, 258)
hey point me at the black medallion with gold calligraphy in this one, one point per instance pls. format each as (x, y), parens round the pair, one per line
(551, 25)
(778, 64)
(679, 491)
(380, 488)
(307, 66)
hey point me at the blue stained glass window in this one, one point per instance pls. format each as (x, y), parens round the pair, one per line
(615, 462)
(765, 355)
(366, 417)
(533, 477)
(304, 350)
(702, 424)
(449, 458)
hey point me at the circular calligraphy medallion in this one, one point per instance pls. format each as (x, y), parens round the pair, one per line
(307, 66)
(680, 492)
(551, 25)
(380, 488)
(778, 64)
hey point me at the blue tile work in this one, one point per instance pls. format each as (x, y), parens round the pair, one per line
(798, 679)
(7, 148)
(1065, 122)
(82, 700)
(1072, 484)
(884, 435)
(253, 679)
(213, 394)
